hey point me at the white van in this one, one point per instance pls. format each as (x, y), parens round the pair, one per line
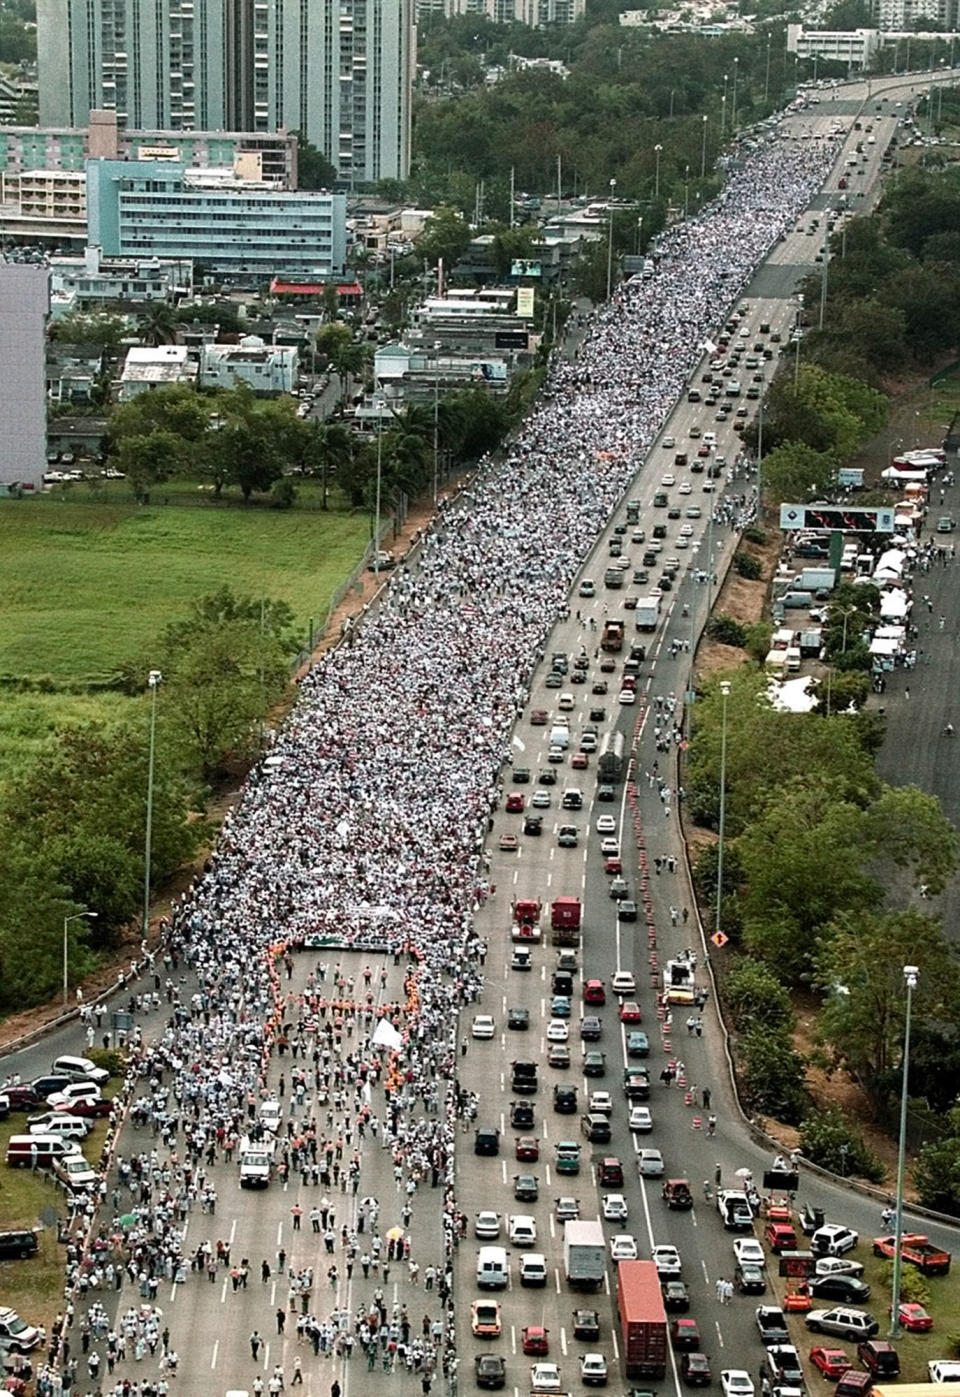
(493, 1271)
(560, 736)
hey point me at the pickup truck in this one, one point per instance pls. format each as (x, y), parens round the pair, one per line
(918, 1250)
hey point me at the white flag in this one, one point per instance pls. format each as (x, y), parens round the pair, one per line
(387, 1036)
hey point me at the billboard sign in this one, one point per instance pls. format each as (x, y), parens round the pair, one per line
(524, 266)
(525, 302)
(832, 516)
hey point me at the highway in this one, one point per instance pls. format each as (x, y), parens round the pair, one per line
(211, 1323)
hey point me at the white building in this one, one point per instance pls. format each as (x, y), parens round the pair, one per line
(855, 47)
(24, 307)
(93, 278)
(537, 13)
(269, 369)
(155, 366)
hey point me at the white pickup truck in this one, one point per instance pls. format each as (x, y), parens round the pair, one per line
(256, 1162)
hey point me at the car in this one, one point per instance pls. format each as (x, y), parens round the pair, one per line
(23, 1097)
(668, 480)
(521, 1115)
(487, 1225)
(601, 1103)
(485, 1319)
(750, 1279)
(879, 1358)
(784, 1366)
(514, 802)
(846, 1323)
(943, 1370)
(558, 1031)
(591, 1029)
(18, 1244)
(558, 1055)
(638, 1044)
(686, 488)
(627, 696)
(748, 1249)
(685, 1334)
(579, 761)
(518, 1018)
(623, 982)
(614, 1207)
(587, 588)
(490, 1370)
(914, 1318)
(630, 1011)
(669, 443)
(545, 1377)
(568, 837)
(666, 1258)
(86, 1107)
(538, 718)
(564, 1099)
(847, 1289)
(486, 1140)
(676, 1297)
(627, 910)
(15, 1334)
(619, 889)
(640, 1120)
(594, 1063)
(553, 680)
(593, 1370)
(40, 1124)
(736, 1382)
(650, 1164)
(833, 1239)
(837, 1266)
(610, 1171)
(73, 1091)
(606, 793)
(567, 1209)
(594, 992)
(586, 1325)
(508, 843)
(695, 1370)
(772, 1323)
(533, 824)
(522, 1230)
(540, 800)
(483, 1026)
(521, 774)
(610, 847)
(606, 824)
(561, 1006)
(533, 1269)
(527, 1148)
(832, 1362)
(623, 1247)
(613, 864)
(533, 1337)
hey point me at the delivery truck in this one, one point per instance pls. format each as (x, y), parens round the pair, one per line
(610, 760)
(565, 916)
(646, 617)
(643, 1320)
(584, 1254)
(612, 639)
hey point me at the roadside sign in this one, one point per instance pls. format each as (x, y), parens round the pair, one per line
(719, 939)
(823, 516)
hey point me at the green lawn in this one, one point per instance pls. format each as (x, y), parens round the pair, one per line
(87, 584)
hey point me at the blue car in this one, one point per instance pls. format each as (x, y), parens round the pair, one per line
(560, 1007)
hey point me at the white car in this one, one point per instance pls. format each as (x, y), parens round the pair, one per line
(540, 800)
(545, 1377)
(623, 1247)
(601, 1102)
(558, 1031)
(483, 1026)
(487, 1225)
(686, 488)
(523, 1230)
(666, 1258)
(623, 983)
(640, 1119)
(271, 1116)
(593, 1370)
(943, 1370)
(627, 696)
(587, 588)
(686, 531)
(736, 1382)
(533, 1269)
(609, 846)
(838, 1266)
(833, 1239)
(669, 443)
(606, 824)
(650, 1164)
(614, 1207)
(749, 1252)
(668, 479)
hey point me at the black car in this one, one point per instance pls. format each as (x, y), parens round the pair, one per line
(565, 1100)
(521, 775)
(19, 1243)
(490, 1370)
(533, 824)
(486, 1140)
(591, 1029)
(525, 1188)
(750, 1280)
(848, 1290)
(547, 777)
(676, 1297)
(594, 1063)
(561, 982)
(598, 715)
(518, 1018)
(521, 1114)
(586, 1325)
(606, 794)
(49, 1086)
(627, 911)
(695, 1370)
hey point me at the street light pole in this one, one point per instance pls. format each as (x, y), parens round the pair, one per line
(436, 416)
(639, 235)
(766, 80)
(656, 179)
(910, 975)
(733, 113)
(723, 106)
(613, 186)
(703, 148)
(725, 692)
(686, 190)
(77, 916)
(154, 680)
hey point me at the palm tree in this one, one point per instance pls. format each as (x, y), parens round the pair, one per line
(348, 361)
(158, 324)
(330, 448)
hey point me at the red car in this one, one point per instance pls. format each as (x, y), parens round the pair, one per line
(23, 1098)
(538, 718)
(832, 1362)
(914, 1318)
(514, 802)
(684, 1334)
(527, 1147)
(535, 1339)
(85, 1107)
(579, 761)
(594, 992)
(613, 864)
(630, 1012)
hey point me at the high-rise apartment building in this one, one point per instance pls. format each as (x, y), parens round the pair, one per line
(339, 71)
(24, 308)
(540, 14)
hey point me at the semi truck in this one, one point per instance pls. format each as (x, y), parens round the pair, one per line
(643, 1320)
(526, 919)
(565, 917)
(584, 1254)
(612, 638)
(610, 760)
(646, 617)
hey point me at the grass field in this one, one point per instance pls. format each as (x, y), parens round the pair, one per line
(89, 584)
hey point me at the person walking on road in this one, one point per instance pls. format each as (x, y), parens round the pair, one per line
(281, 1320)
(255, 1342)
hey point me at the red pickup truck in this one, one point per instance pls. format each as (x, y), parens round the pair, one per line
(916, 1249)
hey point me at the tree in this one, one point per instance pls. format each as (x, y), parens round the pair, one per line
(151, 459)
(795, 473)
(936, 1173)
(107, 331)
(348, 360)
(754, 995)
(859, 964)
(329, 339)
(446, 235)
(826, 1139)
(838, 693)
(314, 170)
(926, 843)
(158, 324)
(772, 1074)
(31, 966)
